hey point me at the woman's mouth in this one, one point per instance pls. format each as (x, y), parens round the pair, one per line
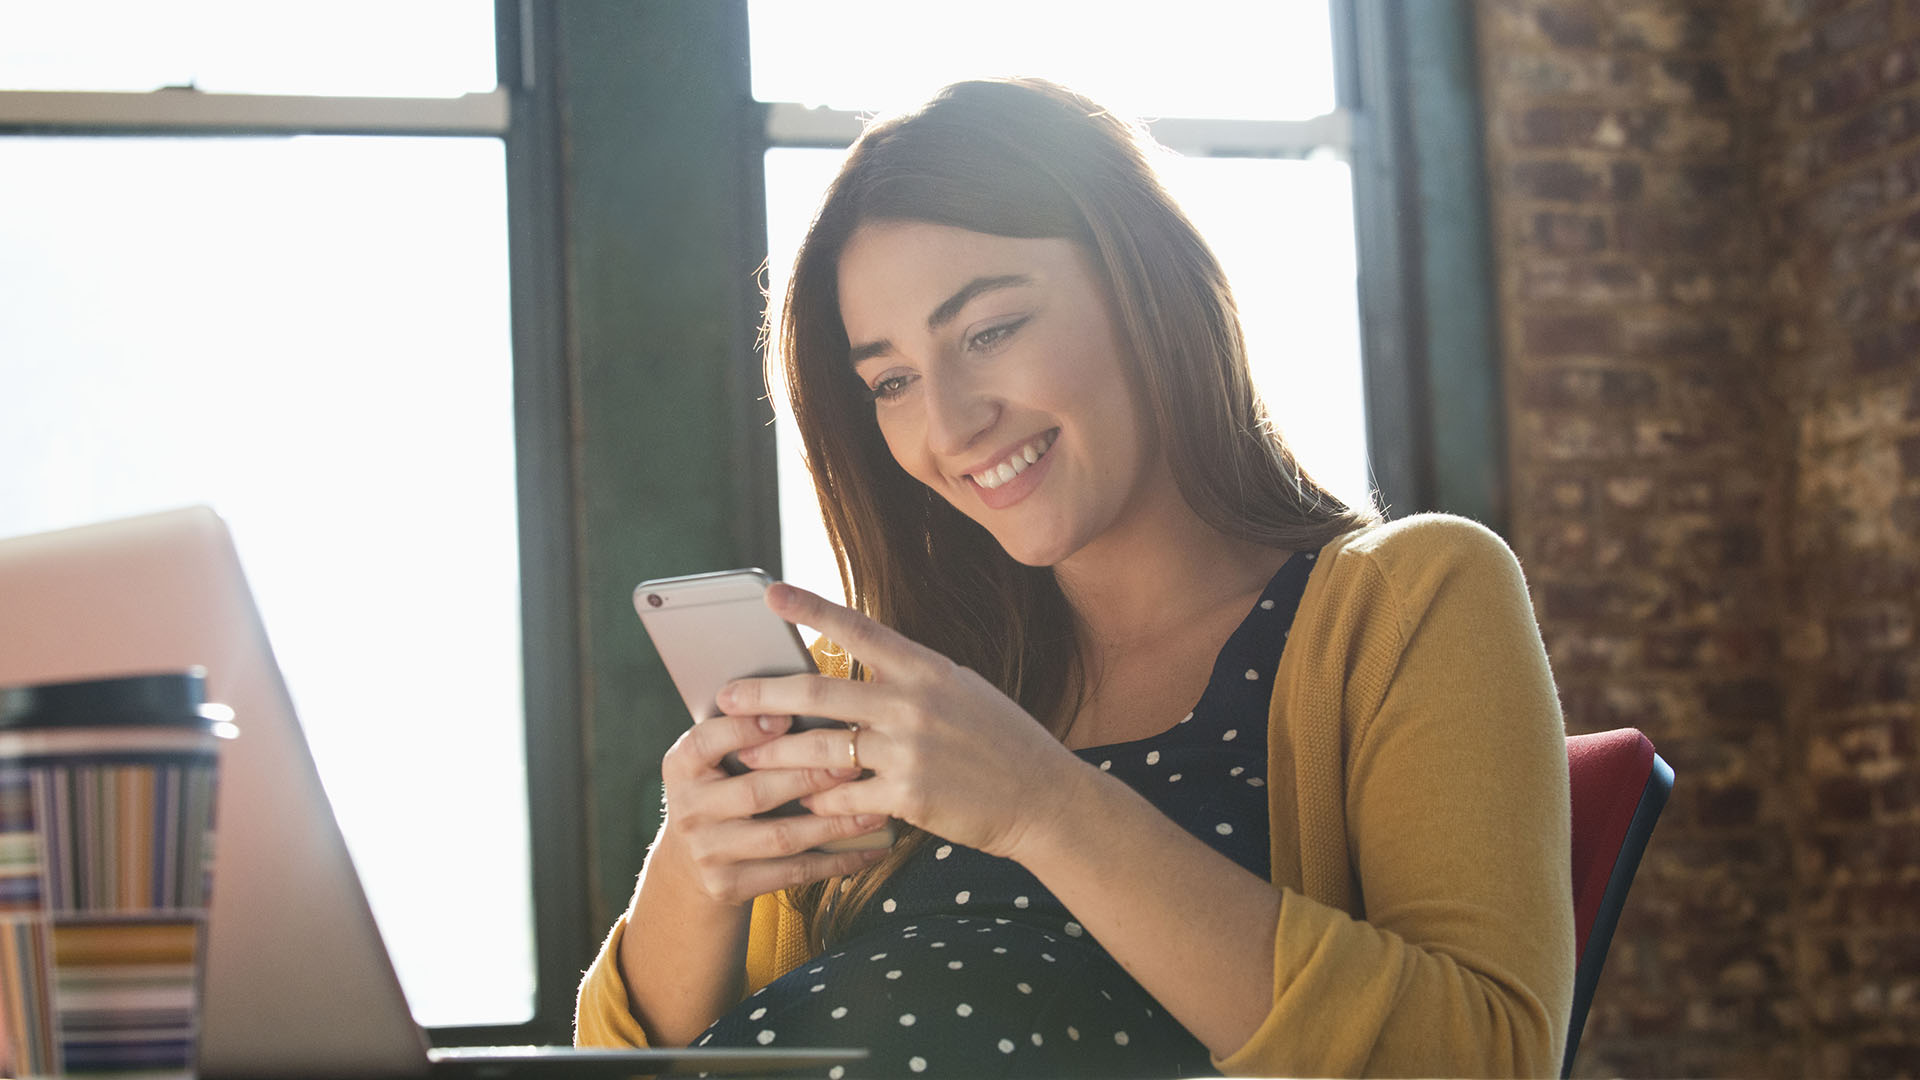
(1015, 463)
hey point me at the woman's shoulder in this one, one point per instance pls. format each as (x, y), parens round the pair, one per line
(1421, 558)
(1419, 540)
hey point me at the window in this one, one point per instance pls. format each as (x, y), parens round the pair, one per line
(1245, 93)
(311, 333)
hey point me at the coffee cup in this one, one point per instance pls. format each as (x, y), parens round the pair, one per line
(106, 865)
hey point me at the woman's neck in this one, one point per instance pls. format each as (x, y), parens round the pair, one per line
(1170, 574)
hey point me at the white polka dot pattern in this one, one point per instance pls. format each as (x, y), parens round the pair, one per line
(1015, 985)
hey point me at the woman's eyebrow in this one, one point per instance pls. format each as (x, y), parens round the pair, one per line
(945, 313)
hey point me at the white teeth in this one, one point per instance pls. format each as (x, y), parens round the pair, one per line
(1015, 464)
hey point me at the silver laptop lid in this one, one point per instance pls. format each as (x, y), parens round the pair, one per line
(297, 980)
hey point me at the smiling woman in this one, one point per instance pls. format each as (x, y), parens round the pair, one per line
(1021, 358)
(1148, 829)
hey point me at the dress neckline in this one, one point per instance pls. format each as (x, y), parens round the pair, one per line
(1235, 654)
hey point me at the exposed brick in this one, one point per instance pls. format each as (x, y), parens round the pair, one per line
(1695, 81)
(1568, 74)
(1898, 795)
(1586, 281)
(1557, 126)
(1576, 437)
(1571, 334)
(1569, 234)
(1694, 185)
(1900, 65)
(1579, 386)
(1667, 27)
(1885, 126)
(1906, 514)
(1567, 181)
(1851, 29)
(1884, 630)
(1673, 334)
(1884, 1057)
(1650, 232)
(1843, 799)
(1835, 92)
(1893, 347)
(1853, 851)
(1737, 804)
(1878, 247)
(1717, 479)
(1569, 26)
(1630, 492)
(1569, 543)
(1866, 682)
(1751, 700)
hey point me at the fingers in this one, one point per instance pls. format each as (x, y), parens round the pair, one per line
(740, 859)
(780, 837)
(801, 695)
(833, 748)
(762, 790)
(744, 881)
(700, 748)
(876, 645)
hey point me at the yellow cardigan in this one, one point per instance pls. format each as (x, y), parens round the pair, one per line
(1417, 781)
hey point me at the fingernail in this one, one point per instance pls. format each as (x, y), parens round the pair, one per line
(843, 773)
(870, 821)
(771, 724)
(779, 593)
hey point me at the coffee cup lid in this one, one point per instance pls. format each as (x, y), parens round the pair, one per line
(173, 698)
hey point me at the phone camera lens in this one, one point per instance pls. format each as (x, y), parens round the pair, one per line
(653, 600)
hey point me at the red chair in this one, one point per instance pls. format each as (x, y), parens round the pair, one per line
(1619, 787)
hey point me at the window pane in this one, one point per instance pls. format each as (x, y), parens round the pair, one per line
(1284, 232)
(1241, 59)
(312, 336)
(374, 48)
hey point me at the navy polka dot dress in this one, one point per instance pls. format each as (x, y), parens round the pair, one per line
(963, 965)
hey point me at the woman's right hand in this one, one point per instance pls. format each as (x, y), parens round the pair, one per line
(731, 855)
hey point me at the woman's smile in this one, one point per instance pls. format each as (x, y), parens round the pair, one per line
(998, 381)
(1003, 482)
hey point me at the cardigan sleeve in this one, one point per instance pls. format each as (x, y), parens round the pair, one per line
(776, 943)
(1443, 806)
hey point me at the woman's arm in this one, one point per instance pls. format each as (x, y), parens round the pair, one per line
(1429, 770)
(678, 955)
(1430, 773)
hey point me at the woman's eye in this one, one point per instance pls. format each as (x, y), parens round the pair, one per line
(888, 388)
(994, 335)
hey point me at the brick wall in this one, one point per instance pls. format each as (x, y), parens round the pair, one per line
(1707, 224)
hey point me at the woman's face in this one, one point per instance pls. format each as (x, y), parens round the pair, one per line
(997, 377)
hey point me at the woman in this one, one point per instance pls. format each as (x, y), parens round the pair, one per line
(1199, 768)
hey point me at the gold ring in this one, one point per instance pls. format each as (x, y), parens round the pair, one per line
(853, 747)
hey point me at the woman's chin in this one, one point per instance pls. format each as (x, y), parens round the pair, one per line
(1033, 551)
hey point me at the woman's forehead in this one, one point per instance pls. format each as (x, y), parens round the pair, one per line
(919, 264)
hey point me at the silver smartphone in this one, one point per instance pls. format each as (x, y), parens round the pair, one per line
(711, 629)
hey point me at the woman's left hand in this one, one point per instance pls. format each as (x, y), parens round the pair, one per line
(948, 752)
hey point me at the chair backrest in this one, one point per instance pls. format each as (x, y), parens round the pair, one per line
(1619, 788)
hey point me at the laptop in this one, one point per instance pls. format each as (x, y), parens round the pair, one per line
(298, 982)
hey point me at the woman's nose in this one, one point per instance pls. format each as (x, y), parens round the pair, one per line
(958, 413)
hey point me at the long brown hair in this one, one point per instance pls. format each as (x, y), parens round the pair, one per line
(1030, 159)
